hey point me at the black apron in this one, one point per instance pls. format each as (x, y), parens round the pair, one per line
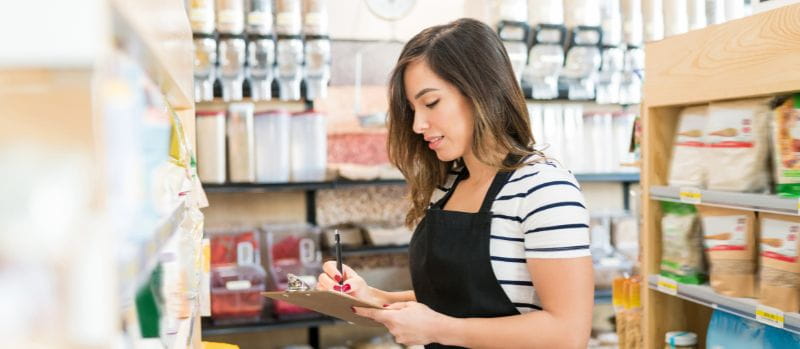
(451, 270)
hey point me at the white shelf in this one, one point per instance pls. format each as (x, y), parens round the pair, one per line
(743, 307)
(742, 201)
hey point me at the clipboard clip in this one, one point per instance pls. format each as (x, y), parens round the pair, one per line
(296, 284)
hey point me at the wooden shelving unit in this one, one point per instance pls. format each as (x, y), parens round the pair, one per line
(750, 57)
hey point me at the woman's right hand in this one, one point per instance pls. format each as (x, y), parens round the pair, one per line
(352, 284)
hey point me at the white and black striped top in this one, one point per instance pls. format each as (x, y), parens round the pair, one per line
(539, 213)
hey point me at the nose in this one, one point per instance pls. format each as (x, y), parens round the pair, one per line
(420, 123)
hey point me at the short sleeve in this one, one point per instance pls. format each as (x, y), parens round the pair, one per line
(555, 221)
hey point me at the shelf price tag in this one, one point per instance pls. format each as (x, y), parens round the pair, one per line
(769, 316)
(667, 285)
(689, 195)
(798, 206)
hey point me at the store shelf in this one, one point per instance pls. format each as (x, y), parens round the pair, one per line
(256, 187)
(743, 307)
(627, 177)
(602, 296)
(210, 330)
(371, 250)
(743, 201)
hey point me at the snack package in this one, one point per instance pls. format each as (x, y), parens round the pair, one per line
(780, 265)
(681, 255)
(786, 147)
(686, 166)
(737, 144)
(730, 244)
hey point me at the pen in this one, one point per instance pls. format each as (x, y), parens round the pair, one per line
(339, 256)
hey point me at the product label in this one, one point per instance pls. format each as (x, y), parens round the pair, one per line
(730, 128)
(779, 239)
(769, 316)
(238, 285)
(201, 15)
(260, 18)
(288, 23)
(667, 285)
(689, 195)
(690, 133)
(787, 141)
(725, 233)
(316, 20)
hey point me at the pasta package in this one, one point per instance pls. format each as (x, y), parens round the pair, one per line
(729, 240)
(686, 167)
(780, 265)
(681, 242)
(786, 147)
(737, 134)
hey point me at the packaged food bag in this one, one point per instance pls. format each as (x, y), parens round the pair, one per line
(780, 265)
(786, 146)
(729, 240)
(686, 167)
(681, 243)
(737, 144)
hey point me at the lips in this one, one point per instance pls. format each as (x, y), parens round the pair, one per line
(434, 142)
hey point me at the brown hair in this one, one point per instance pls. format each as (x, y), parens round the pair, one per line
(469, 55)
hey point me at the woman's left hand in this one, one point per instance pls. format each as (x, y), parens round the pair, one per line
(411, 323)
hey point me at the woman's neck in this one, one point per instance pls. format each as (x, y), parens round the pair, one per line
(478, 170)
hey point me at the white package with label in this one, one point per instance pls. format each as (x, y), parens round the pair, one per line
(697, 14)
(272, 146)
(737, 145)
(211, 157)
(632, 25)
(686, 166)
(241, 154)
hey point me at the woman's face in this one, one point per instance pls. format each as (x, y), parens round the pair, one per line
(442, 115)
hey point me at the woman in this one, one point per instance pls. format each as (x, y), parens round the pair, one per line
(493, 216)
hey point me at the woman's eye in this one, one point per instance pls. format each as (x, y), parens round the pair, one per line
(432, 104)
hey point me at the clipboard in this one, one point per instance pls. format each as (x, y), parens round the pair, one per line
(330, 303)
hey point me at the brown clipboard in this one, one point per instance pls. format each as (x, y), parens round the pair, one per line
(330, 303)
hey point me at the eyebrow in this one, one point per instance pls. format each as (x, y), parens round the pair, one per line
(424, 91)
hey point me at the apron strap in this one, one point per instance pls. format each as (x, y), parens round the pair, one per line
(498, 183)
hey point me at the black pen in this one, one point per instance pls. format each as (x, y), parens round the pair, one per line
(339, 257)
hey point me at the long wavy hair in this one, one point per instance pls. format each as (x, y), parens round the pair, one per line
(469, 55)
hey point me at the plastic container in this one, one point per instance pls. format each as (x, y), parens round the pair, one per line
(292, 249)
(259, 17)
(236, 291)
(272, 146)
(230, 16)
(315, 18)
(261, 67)
(309, 144)
(680, 340)
(289, 17)
(205, 68)
(232, 57)
(241, 152)
(211, 156)
(383, 234)
(317, 68)
(232, 247)
(289, 69)
(201, 16)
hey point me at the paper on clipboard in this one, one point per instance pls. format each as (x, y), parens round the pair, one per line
(330, 303)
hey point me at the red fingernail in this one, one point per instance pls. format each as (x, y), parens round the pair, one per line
(385, 305)
(337, 288)
(338, 278)
(353, 309)
(346, 287)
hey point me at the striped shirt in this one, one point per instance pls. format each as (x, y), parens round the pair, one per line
(539, 213)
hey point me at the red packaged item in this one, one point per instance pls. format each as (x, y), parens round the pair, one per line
(292, 249)
(237, 247)
(236, 292)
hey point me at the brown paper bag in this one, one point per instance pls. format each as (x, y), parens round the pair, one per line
(729, 240)
(780, 263)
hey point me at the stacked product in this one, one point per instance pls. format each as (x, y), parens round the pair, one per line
(247, 46)
(237, 277)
